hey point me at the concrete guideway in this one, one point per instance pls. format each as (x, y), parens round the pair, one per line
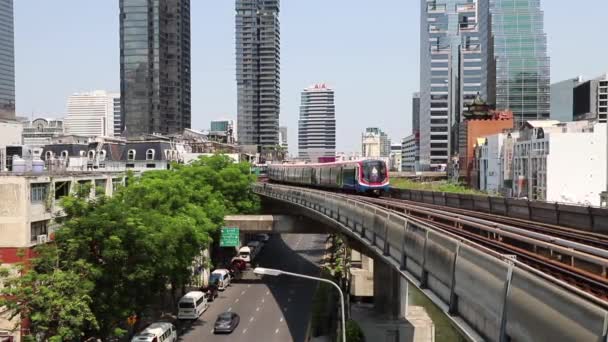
(486, 294)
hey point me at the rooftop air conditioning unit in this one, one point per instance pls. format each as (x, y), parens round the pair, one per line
(43, 238)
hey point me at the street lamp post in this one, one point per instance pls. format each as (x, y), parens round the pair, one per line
(274, 273)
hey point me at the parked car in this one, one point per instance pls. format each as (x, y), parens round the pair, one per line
(235, 272)
(192, 305)
(221, 277)
(157, 332)
(211, 291)
(226, 322)
(239, 264)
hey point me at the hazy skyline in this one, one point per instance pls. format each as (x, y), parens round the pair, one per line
(368, 53)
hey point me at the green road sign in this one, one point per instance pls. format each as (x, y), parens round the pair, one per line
(229, 237)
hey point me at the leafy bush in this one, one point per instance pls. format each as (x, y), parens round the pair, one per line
(442, 186)
(354, 332)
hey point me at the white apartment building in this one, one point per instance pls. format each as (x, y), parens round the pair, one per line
(91, 114)
(395, 158)
(375, 143)
(561, 162)
(28, 204)
(495, 163)
(317, 124)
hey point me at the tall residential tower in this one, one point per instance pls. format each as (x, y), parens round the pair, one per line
(516, 65)
(450, 74)
(7, 61)
(317, 124)
(257, 72)
(154, 66)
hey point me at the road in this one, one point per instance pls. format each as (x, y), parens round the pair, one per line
(272, 308)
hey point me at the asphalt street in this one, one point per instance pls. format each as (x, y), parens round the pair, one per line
(271, 308)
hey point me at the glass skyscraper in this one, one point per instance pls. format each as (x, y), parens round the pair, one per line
(7, 61)
(257, 72)
(517, 65)
(450, 74)
(155, 66)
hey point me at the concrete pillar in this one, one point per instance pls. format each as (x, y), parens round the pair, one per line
(387, 290)
(398, 322)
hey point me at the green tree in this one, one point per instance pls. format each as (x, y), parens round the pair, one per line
(57, 301)
(126, 249)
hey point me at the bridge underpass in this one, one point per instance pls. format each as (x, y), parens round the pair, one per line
(393, 321)
(488, 296)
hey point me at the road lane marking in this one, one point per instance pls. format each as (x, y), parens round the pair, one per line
(242, 293)
(251, 319)
(244, 330)
(281, 320)
(257, 309)
(262, 300)
(276, 331)
(267, 293)
(248, 286)
(230, 309)
(237, 300)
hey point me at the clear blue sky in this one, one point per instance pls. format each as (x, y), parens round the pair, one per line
(367, 50)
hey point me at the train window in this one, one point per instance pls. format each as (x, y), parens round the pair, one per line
(374, 171)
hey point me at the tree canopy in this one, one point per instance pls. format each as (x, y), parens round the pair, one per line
(113, 254)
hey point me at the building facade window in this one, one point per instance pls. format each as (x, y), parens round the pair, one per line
(39, 192)
(38, 228)
(64, 154)
(131, 155)
(150, 154)
(102, 155)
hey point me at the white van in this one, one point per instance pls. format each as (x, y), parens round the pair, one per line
(157, 332)
(222, 276)
(192, 305)
(245, 254)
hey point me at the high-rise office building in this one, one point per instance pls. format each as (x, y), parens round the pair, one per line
(590, 100)
(516, 65)
(221, 125)
(283, 137)
(450, 72)
(562, 99)
(410, 145)
(91, 114)
(155, 66)
(224, 127)
(317, 124)
(7, 61)
(257, 72)
(117, 116)
(416, 113)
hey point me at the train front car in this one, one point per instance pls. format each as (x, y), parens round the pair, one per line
(373, 177)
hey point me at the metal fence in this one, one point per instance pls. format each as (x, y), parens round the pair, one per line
(587, 218)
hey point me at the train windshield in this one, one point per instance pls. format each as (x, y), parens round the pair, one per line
(374, 171)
